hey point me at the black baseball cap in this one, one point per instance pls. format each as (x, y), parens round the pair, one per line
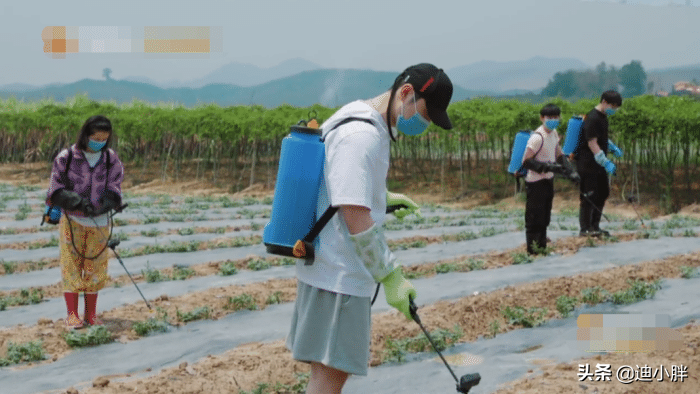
(432, 84)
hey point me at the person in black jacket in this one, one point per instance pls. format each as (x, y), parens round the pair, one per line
(593, 165)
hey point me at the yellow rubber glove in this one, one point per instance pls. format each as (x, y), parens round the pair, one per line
(397, 291)
(393, 199)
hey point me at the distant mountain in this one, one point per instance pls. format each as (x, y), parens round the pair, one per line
(516, 76)
(665, 78)
(329, 87)
(242, 74)
(239, 74)
(18, 87)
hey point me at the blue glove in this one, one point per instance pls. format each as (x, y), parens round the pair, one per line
(610, 167)
(614, 149)
(605, 162)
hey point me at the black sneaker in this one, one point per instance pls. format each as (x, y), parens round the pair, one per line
(589, 233)
(602, 232)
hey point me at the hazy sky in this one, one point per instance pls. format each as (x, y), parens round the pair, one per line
(371, 34)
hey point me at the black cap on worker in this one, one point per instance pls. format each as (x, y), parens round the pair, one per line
(432, 84)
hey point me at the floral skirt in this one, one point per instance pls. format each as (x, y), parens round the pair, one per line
(84, 269)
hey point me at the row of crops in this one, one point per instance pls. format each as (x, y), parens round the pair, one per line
(660, 137)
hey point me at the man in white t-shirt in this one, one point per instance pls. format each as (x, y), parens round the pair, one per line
(543, 156)
(331, 321)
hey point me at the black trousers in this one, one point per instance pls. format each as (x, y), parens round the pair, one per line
(538, 212)
(595, 185)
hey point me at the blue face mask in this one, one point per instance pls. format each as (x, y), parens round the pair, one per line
(414, 125)
(551, 123)
(610, 111)
(96, 145)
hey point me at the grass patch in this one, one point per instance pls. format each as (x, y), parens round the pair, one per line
(249, 201)
(299, 387)
(680, 222)
(518, 315)
(8, 231)
(196, 314)
(9, 267)
(284, 261)
(96, 335)
(419, 243)
(566, 305)
(26, 297)
(23, 211)
(43, 243)
(274, 298)
(119, 222)
(258, 265)
(23, 352)
(121, 236)
(630, 225)
(522, 258)
(594, 295)
(569, 212)
(243, 301)
(494, 328)
(590, 242)
(182, 272)
(638, 291)
(151, 219)
(150, 325)
(396, 350)
(154, 232)
(228, 268)
(152, 275)
(444, 268)
(465, 236)
(228, 203)
(544, 251)
(689, 272)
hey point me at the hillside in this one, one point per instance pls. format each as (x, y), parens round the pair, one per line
(329, 87)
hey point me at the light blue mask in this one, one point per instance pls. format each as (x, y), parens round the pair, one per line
(551, 123)
(610, 111)
(414, 125)
(96, 145)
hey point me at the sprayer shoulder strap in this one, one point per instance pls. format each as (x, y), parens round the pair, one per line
(66, 179)
(331, 210)
(344, 121)
(109, 165)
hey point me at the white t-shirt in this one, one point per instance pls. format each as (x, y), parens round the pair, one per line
(548, 142)
(355, 171)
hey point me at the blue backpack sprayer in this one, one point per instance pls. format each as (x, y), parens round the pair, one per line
(516, 157)
(573, 135)
(293, 225)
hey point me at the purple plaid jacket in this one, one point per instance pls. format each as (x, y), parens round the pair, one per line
(88, 182)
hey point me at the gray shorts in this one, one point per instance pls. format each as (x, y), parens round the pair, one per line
(331, 329)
